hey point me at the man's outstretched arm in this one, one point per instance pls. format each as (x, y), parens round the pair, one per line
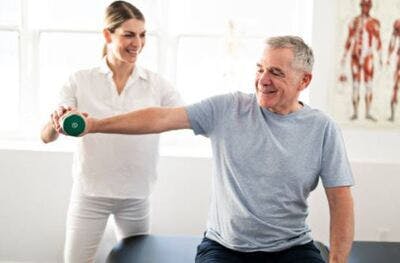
(341, 224)
(149, 120)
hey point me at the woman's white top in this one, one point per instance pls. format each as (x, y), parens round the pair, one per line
(111, 165)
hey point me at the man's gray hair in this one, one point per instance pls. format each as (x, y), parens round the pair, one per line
(303, 54)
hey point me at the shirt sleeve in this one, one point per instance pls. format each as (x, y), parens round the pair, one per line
(335, 166)
(205, 116)
(67, 94)
(170, 96)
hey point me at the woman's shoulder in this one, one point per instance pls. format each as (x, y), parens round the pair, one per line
(149, 74)
(154, 78)
(84, 73)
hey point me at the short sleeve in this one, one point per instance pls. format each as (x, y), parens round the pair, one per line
(67, 94)
(205, 116)
(335, 166)
(170, 96)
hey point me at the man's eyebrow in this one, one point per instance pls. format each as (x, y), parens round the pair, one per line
(277, 71)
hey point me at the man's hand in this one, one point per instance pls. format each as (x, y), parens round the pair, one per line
(90, 124)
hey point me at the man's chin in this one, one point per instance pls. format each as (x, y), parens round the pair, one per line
(263, 103)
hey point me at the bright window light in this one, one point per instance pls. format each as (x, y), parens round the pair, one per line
(9, 100)
(9, 12)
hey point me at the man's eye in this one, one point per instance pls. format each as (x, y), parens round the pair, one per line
(275, 73)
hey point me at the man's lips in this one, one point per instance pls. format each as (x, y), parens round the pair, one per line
(267, 91)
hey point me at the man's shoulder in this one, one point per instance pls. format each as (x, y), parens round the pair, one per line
(229, 103)
(236, 97)
(240, 100)
(318, 115)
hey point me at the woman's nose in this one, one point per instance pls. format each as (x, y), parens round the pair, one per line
(137, 41)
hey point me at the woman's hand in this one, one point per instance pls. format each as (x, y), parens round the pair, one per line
(56, 116)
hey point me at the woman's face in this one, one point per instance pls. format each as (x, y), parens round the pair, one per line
(127, 41)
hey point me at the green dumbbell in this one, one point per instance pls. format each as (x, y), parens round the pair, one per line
(73, 124)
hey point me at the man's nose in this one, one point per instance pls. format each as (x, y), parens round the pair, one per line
(265, 78)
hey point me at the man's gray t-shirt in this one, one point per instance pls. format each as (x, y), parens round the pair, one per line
(264, 167)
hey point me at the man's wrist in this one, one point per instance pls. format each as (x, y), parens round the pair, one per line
(92, 125)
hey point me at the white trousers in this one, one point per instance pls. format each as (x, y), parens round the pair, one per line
(87, 219)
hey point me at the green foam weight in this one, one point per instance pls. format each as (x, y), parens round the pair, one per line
(73, 124)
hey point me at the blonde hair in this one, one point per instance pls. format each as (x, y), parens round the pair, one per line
(117, 13)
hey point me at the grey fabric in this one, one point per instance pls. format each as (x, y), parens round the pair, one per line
(264, 167)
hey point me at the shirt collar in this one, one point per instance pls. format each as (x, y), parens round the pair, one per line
(138, 72)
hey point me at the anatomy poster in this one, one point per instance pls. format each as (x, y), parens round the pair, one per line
(367, 75)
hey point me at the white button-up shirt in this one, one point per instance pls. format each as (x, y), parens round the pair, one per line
(111, 165)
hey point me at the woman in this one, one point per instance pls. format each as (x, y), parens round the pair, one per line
(113, 174)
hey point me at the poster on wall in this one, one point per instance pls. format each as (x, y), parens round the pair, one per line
(367, 72)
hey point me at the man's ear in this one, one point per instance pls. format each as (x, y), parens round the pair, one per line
(305, 80)
(107, 35)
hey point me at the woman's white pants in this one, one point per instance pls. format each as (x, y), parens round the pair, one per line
(87, 219)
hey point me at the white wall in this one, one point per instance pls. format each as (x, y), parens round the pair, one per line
(35, 185)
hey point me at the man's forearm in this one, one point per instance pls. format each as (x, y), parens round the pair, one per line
(341, 226)
(145, 121)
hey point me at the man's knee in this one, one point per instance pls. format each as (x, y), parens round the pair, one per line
(210, 251)
(307, 253)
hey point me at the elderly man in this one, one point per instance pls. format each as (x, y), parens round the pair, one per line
(269, 151)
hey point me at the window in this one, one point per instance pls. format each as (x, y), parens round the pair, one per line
(202, 47)
(9, 100)
(9, 65)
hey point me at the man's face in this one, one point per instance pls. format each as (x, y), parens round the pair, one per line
(278, 83)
